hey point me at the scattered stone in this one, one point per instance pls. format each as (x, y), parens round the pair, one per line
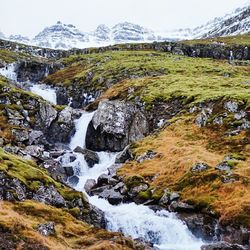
(199, 167)
(231, 106)
(174, 196)
(181, 207)
(21, 135)
(224, 166)
(90, 184)
(112, 196)
(146, 156)
(46, 229)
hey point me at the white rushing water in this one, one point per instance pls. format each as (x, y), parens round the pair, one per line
(47, 93)
(9, 72)
(161, 228)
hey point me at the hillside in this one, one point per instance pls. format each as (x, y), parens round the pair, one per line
(181, 120)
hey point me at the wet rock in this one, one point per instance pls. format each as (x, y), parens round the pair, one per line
(46, 229)
(89, 185)
(223, 246)
(181, 207)
(73, 180)
(123, 156)
(90, 156)
(164, 201)
(49, 195)
(114, 125)
(201, 225)
(96, 217)
(112, 196)
(146, 156)
(199, 167)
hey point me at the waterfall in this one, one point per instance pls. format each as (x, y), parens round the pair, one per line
(161, 228)
(47, 93)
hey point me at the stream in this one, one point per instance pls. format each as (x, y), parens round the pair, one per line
(161, 228)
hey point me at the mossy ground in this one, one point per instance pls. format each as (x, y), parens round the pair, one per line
(229, 40)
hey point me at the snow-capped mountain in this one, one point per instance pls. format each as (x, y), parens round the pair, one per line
(235, 23)
(60, 36)
(67, 36)
(126, 31)
(20, 39)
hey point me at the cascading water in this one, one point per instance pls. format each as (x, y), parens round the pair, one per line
(161, 228)
(47, 93)
(9, 72)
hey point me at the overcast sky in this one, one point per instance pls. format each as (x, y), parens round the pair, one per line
(28, 17)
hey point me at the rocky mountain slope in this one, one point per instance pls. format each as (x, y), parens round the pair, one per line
(67, 36)
(180, 119)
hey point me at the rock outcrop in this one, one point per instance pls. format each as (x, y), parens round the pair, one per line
(114, 125)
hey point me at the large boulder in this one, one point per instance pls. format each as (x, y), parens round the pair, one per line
(114, 125)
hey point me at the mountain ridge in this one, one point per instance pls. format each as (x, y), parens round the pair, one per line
(67, 36)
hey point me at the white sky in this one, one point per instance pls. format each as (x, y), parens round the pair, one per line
(28, 17)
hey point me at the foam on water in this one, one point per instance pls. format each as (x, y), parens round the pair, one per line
(161, 228)
(45, 92)
(9, 72)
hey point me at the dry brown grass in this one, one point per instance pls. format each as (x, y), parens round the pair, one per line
(23, 218)
(179, 147)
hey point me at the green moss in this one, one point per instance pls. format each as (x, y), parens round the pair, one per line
(134, 181)
(145, 195)
(157, 194)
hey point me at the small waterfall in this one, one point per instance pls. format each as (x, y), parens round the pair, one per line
(9, 72)
(45, 92)
(161, 228)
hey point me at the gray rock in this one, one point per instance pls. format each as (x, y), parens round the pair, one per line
(112, 196)
(199, 167)
(35, 136)
(49, 195)
(136, 190)
(123, 156)
(103, 179)
(181, 207)
(90, 156)
(21, 135)
(46, 229)
(146, 156)
(47, 114)
(164, 201)
(223, 166)
(114, 125)
(34, 150)
(90, 184)
(174, 196)
(231, 106)
(203, 117)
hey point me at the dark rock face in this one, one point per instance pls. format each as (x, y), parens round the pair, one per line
(124, 156)
(34, 71)
(114, 125)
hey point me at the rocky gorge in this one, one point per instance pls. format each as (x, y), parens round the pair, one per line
(165, 134)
